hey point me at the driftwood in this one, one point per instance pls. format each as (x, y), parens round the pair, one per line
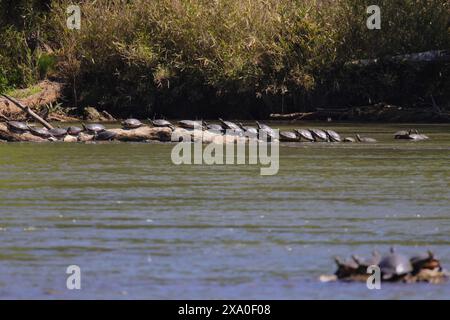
(29, 111)
(142, 134)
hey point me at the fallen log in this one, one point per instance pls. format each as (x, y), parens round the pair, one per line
(29, 111)
(7, 135)
(142, 134)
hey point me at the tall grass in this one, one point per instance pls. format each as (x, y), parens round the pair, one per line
(197, 57)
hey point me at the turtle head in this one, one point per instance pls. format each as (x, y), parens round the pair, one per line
(339, 262)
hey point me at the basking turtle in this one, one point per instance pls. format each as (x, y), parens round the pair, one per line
(288, 136)
(229, 125)
(349, 139)
(402, 134)
(363, 264)
(365, 139)
(333, 136)
(40, 132)
(394, 266)
(58, 132)
(74, 131)
(213, 127)
(345, 269)
(93, 128)
(249, 131)
(268, 131)
(190, 124)
(305, 134)
(16, 126)
(415, 133)
(319, 135)
(131, 123)
(162, 123)
(105, 135)
(425, 261)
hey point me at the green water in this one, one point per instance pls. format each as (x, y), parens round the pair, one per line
(141, 227)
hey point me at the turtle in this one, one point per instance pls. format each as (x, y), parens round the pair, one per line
(425, 261)
(349, 139)
(363, 264)
(105, 135)
(229, 125)
(40, 132)
(93, 128)
(288, 136)
(58, 132)
(131, 123)
(74, 131)
(190, 124)
(402, 134)
(419, 135)
(17, 126)
(333, 136)
(394, 266)
(305, 134)
(161, 123)
(365, 139)
(213, 127)
(319, 135)
(345, 269)
(249, 131)
(268, 131)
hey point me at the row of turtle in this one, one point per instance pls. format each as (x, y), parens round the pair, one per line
(228, 127)
(393, 266)
(99, 131)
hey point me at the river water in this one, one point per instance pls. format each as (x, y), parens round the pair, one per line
(139, 226)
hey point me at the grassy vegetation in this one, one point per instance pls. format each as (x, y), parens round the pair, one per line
(234, 57)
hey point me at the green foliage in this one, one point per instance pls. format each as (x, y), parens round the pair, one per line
(185, 56)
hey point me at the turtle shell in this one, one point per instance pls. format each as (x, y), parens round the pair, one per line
(333, 136)
(319, 135)
(349, 139)
(105, 135)
(266, 130)
(305, 134)
(402, 134)
(190, 124)
(394, 266)
(288, 136)
(162, 123)
(94, 127)
(214, 127)
(131, 123)
(17, 126)
(58, 132)
(229, 125)
(74, 131)
(40, 132)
